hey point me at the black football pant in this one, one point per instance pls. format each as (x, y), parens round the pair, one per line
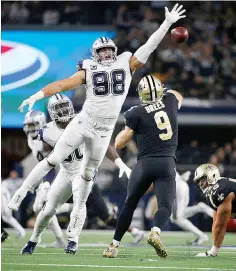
(157, 170)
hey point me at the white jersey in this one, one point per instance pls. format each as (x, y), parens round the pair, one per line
(50, 134)
(36, 147)
(106, 86)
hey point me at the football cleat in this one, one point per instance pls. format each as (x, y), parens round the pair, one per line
(154, 240)
(138, 237)
(71, 247)
(4, 236)
(16, 200)
(205, 254)
(29, 248)
(200, 240)
(111, 251)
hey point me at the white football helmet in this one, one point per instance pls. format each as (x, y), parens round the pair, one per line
(150, 89)
(206, 175)
(104, 57)
(60, 108)
(34, 120)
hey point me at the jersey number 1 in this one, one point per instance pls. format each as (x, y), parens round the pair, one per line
(104, 83)
(163, 122)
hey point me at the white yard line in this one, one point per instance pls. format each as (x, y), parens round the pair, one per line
(123, 266)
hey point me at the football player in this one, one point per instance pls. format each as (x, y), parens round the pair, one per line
(220, 194)
(181, 210)
(33, 121)
(154, 124)
(107, 77)
(6, 213)
(61, 111)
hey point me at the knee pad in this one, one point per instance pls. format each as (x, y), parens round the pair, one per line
(87, 173)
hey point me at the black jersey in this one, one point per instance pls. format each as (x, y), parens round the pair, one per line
(155, 127)
(216, 195)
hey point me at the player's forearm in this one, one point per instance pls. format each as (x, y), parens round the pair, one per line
(144, 51)
(121, 140)
(218, 232)
(111, 154)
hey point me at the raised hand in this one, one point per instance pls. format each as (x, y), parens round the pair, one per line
(175, 14)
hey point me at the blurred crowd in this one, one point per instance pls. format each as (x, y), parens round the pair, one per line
(204, 67)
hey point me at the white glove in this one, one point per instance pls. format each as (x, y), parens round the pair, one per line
(174, 15)
(31, 100)
(123, 168)
(205, 254)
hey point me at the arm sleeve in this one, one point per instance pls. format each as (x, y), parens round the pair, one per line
(144, 51)
(131, 119)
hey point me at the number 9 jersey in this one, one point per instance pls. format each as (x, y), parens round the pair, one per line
(155, 127)
(106, 86)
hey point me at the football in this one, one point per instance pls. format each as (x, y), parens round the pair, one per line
(179, 34)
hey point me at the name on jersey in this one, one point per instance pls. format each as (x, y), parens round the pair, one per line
(154, 107)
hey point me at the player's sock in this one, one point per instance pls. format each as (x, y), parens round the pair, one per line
(65, 208)
(56, 229)
(187, 225)
(115, 242)
(161, 216)
(124, 222)
(76, 225)
(156, 229)
(16, 225)
(35, 176)
(40, 225)
(205, 209)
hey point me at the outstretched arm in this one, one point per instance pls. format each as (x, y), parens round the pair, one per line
(112, 155)
(141, 55)
(56, 87)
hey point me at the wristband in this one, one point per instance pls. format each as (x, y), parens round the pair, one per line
(119, 162)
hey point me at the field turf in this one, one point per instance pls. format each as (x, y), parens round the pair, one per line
(131, 257)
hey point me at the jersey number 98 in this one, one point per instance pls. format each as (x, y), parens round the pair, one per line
(104, 83)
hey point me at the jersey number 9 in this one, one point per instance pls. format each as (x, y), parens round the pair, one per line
(163, 122)
(104, 84)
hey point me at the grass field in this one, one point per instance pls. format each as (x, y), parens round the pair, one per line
(131, 257)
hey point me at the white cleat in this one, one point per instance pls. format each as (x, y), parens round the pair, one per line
(200, 240)
(138, 237)
(16, 200)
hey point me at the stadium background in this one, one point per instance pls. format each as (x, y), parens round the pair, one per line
(203, 70)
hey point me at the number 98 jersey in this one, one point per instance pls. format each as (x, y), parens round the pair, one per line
(106, 86)
(50, 134)
(155, 127)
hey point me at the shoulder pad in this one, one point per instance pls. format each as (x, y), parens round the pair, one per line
(131, 109)
(125, 54)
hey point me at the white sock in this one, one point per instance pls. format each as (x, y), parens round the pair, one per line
(187, 225)
(40, 225)
(35, 176)
(115, 243)
(65, 208)
(156, 229)
(56, 229)
(16, 225)
(191, 211)
(76, 225)
(134, 231)
(206, 209)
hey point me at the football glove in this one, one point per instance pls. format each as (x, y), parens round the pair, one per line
(175, 14)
